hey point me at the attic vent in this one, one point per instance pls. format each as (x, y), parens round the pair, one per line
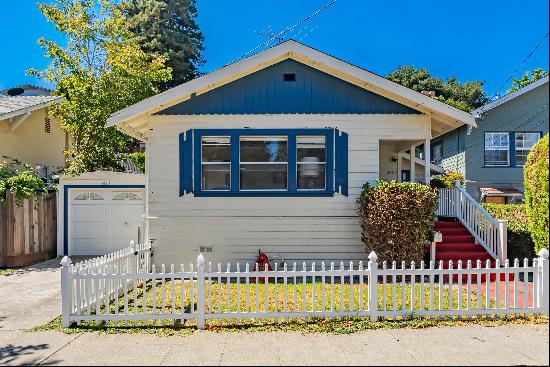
(47, 125)
(290, 77)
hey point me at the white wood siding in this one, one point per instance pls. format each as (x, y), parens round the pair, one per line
(295, 228)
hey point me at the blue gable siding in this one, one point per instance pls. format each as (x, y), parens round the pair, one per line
(265, 92)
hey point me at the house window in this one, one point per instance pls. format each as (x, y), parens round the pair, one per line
(216, 163)
(311, 162)
(524, 144)
(263, 162)
(497, 149)
(437, 153)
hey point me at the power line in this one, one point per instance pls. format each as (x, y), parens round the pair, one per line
(519, 66)
(286, 30)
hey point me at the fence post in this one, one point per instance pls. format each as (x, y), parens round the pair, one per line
(66, 291)
(200, 293)
(503, 239)
(544, 285)
(134, 258)
(373, 286)
(457, 198)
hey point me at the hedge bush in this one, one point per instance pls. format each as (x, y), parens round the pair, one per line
(446, 180)
(520, 244)
(397, 219)
(21, 179)
(536, 192)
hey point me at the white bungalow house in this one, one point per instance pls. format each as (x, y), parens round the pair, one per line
(271, 152)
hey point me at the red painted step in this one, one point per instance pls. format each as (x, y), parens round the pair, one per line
(448, 225)
(453, 231)
(455, 256)
(459, 244)
(461, 238)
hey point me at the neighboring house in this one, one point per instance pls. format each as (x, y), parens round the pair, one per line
(492, 156)
(270, 153)
(28, 132)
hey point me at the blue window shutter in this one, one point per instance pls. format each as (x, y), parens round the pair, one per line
(341, 169)
(186, 162)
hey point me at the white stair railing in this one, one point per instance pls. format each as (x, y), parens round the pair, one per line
(488, 231)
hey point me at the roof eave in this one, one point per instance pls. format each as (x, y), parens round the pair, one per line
(289, 49)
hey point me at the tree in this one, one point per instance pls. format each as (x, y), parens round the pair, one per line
(168, 28)
(100, 71)
(536, 192)
(466, 97)
(527, 78)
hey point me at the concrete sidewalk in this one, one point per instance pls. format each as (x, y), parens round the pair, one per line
(469, 345)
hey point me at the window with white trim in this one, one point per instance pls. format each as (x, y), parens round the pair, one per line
(311, 162)
(263, 163)
(216, 163)
(524, 144)
(497, 149)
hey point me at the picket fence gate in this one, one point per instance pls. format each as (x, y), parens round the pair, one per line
(125, 287)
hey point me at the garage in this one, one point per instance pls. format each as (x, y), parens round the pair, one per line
(102, 212)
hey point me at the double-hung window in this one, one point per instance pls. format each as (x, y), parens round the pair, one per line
(524, 144)
(497, 149)
(263, 162)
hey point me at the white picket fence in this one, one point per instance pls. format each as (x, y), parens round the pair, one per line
(123, 287)
(488, 231)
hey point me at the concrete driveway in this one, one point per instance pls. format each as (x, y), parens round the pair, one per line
(31, 297)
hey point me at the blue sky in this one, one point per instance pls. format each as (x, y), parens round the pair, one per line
(483, 40)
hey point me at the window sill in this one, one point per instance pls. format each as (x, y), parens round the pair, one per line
(264, 194)
(501, 166)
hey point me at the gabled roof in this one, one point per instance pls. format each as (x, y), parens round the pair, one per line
(19, 105)
(510, 96)
(42, 91)
(130, 119)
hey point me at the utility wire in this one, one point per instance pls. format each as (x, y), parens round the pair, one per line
(519, 66)
(286, 30)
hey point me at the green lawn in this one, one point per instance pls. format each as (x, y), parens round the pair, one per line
(218, 292)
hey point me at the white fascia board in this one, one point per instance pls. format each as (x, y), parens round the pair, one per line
(287, 49)
(510, 96)
(25, 110)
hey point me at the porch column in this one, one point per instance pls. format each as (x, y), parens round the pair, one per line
(413, 165)
(427, 163)
(399, 168)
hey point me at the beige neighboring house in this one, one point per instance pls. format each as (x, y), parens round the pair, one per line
(27, 131)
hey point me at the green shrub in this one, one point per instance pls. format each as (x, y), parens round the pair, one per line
(396, 219)
(520, 244)
(536, 192)
(446, 180)
(22, 180)
(139, 159)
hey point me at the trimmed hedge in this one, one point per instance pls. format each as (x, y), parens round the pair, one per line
(397, 219)
(446, 180)
(520, 244)
(536, 192)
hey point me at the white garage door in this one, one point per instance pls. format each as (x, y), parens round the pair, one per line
(104, 220)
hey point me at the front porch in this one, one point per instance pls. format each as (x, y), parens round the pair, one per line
(395, 157)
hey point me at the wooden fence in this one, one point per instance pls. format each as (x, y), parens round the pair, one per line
(28, 233)
(124, 287)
